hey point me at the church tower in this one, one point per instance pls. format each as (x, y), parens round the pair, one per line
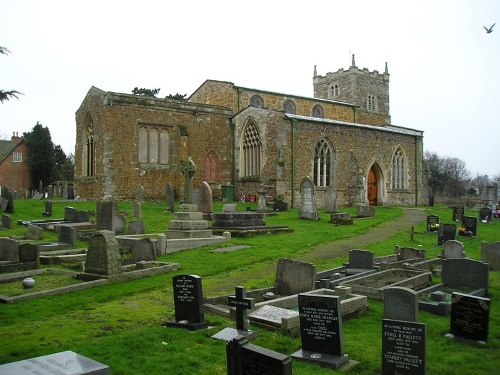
(368, 90)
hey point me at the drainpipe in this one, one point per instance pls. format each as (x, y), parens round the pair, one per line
(417, 180)
(233, 135)
(293, 124)
(354, 113)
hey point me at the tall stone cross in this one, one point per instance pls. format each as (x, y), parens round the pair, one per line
(242, 303)
(188, 168)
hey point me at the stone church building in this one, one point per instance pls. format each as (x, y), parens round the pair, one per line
(253, 139)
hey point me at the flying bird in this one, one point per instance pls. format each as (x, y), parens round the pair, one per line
(490, 29)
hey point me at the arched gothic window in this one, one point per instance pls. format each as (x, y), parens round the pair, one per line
(323, 163)
(211, 170)
(371, 103)
(399, 176)
(317, 111)
(88, 147)
(251, 150)
(333, 90)
(289, 107)
(154, 144)
(257, 101)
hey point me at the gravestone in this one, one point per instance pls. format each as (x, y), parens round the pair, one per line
(261, 201)
(447, 232)
(294, 277)
(66, 234)
(170, 197)
(331, 200)
(365, 211)
(321, 331)
(490, 253)
(229, 207)
(6, 221)
(280, 206)
(453, 249)
(188, 303)
(71, 192)
(308, 208)
(404, 347)
(70, 214)
(136, 227)
(470, 225)
(139, 194)
(188, 168)
(82, 216)
(62, 363)
(50, 191)
(34, 233)
(244, 358)
(137, 210)
(29, 253)
(457, 213)
(103, 255)
(7, 204)
(432, 223)
(485, 214)
(470, 316)
(161, 244)
(465, 273)
(106, 212)
(400, 303)
(194, 198)
(205, 201)
(48, 209)
(361, 259)
(9, 250)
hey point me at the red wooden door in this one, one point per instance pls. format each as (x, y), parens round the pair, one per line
(372, 188)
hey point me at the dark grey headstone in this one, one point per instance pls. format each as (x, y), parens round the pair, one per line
(457, 213)
(281, 206)
(361, 259)
(321, 331)
(465, 273)
(50, 191)
(67, 234)
(48, 208)
(106, 212)
(447, 232)
(470, 316)
(170, 197)
(70, 214)
(293, 277)
(82, 216)
(404, 347)
(485, 214)
(308, 208)
(63, 363)
(188, 303)
(433, 223)
(137, 209)
(29, 253)
(71, 192)
(242, 304)
(6, 221)
(400, 304)
(470, 225)
(244, 358)
(141, 249)
(9, 250)
(490, 253)
(103, 255)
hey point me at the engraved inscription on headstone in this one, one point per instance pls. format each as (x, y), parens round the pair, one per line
(470, 316)
(432, 223)
(447, 232)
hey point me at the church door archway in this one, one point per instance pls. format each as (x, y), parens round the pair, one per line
(372, 188)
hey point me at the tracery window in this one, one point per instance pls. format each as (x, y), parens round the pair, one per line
(333, 90)
(323, 163)
(289, 107)
(398, 168)
(212, 171)
(257, 101)
(317, 111)
(154, 144)
(371, 103)
(251, 150)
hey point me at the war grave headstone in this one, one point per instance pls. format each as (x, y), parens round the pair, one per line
(321, 331)
(308, 208)
(457, 212)
(62, 363)
(453, 249)
(103, 255)
(404, 347)
(331, 199)
(106, 212)
(469, 225)
(205, 201)
(485, 214)
(294, 277)
(447, 232)
(244, 358)
(470, 316)
(242, 304)
(490, 253)
(6, 221)
(188, 169)
(188, 303)
(170, 197)
(433, 223)
(400, 303)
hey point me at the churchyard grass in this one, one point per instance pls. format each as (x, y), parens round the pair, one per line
(121, 324)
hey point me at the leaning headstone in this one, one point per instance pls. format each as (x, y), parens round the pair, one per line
(6, 221)
(62, 363)
(9, 250)
(457, 213)
(404, 347)
(470, 316)
(331, 200)
(447, 232)
(465, 273)
(205, 201)
(453, 249)
(170, 197)
(66, 234)
(490, 253)
(308, 208)
(34, 232)
(294, 277)
(188, 303)
(321, 331)
(400, 303)
(103, 255)
(432, 223)
(106, 212)
(469, 223)
(139, 194)
(485, 214)
(244, 358)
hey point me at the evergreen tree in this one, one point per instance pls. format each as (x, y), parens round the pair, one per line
(63, 165)
(40, 155)
(176, 96)
(145, 92)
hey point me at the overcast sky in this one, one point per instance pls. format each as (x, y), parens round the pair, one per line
(444, 68)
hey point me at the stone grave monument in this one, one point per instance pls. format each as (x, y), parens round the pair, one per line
(490, 253)
(308, 208)
(447, 232)
(103, 255)
(331, 200)
(188, 303)
(205, 201)
(453, 249)
(400, 303)
(457, 213)
(170, 197)
(470, 316)
(485, 214)
(294, 277)
(188, 168)
(469, 223)
(433, 223)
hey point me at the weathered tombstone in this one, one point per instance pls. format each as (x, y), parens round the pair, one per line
(321, 331)
(293, 277)
(170, 197)
(205, 201)
(470, 225)
(361, 259)
(161, 244)
(457, 213)
(48, 209)
(490, 253)
(261, 202)
(139, 194)
(453, 249)
(188, 303)
(71, 192)
(34, 232)
(280, 205)
(308, 208)
(103, 255)
(70, 214)
(119, 223)
(188, 168)
(82, 216)
(465, 273)
(404, 347)
(9, 250)
(400, 303)
(229, 207)
(432, 223)
(485, 214)
(136, 227)
(244, 358)
(65, 191)
(63, 363)
(447, 232)
(50, 191)
(106, 212)
(66, 234)
(141, 249)
(137, 210)
(29, 253)
(365, 211)
(331, 200)
(194, 197)
(6, 221)
(470, 316)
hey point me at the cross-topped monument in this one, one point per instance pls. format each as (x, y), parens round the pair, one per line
(187, 169)
(242, 304)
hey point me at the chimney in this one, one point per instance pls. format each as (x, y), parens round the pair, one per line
(15, 136)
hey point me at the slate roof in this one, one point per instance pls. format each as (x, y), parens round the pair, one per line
(6, 147)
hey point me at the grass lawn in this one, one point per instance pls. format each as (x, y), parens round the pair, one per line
(121, 324)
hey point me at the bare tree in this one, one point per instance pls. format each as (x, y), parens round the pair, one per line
(6, 95)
